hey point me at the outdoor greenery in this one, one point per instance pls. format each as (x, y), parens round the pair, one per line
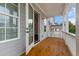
(72, 28)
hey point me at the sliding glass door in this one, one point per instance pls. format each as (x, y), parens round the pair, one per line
(30, 24)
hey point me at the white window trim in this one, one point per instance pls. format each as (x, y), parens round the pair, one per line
(45, 21)
(72, 34)
(18, 33)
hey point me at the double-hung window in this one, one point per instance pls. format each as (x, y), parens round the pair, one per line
(9, 21)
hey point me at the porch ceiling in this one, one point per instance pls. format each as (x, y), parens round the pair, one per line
(51, 9)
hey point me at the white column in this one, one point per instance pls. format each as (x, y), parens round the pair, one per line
(63, 24)
(66, 24)
(65, 18)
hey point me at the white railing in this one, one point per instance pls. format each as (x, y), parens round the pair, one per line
(70, 41)
(57, 34)
(69, 38)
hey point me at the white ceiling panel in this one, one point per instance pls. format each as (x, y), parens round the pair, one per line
(51, 9)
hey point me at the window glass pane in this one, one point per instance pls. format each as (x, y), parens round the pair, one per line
(11, 33)
(45, 23)
(72, 19)
(30, 25)
(2, 7)
(12, 9)
(11, 22)
(2, 34)
(2, 20)
(16, 4)
(58, 20)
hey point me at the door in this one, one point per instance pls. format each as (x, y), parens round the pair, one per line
(29, 27)
(36, 27)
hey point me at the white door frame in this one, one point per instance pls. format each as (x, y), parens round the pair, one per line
(28, 47)
(38, 25)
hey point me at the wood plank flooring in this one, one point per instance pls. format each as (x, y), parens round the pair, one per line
(50, 46)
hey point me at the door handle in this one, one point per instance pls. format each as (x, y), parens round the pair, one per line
(27, 31)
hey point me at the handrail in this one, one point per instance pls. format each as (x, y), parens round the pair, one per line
(57, 34)
(71, 34)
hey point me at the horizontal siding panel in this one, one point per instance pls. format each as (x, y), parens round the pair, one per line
(15, 47)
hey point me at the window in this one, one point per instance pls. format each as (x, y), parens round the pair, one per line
(8, 21)
(72, 19)
(58, 20)
(2, 7)
(45, 25)
(12, 9)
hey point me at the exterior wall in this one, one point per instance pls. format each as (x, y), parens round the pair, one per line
(69, 38)
(42, 33)
(48, 29)
(48, 26)
(71, 42)
(52, 20)
(52, 32)
(65, 19)
(77, 30)
(15, 47)
(42, 36)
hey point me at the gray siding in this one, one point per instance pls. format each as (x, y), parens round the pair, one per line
(77, 30)
(43, 34)
(15, 47)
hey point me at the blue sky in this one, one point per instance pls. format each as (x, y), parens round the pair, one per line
(71, 16)
(58, 19)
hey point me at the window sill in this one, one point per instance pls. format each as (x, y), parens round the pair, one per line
(9, 40)
(71, 34)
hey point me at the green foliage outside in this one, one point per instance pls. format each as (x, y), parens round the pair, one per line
(72, 28)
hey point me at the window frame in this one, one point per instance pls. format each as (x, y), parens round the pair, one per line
(55, 19)
(73, 34)
(18, 23)
(45, 26)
